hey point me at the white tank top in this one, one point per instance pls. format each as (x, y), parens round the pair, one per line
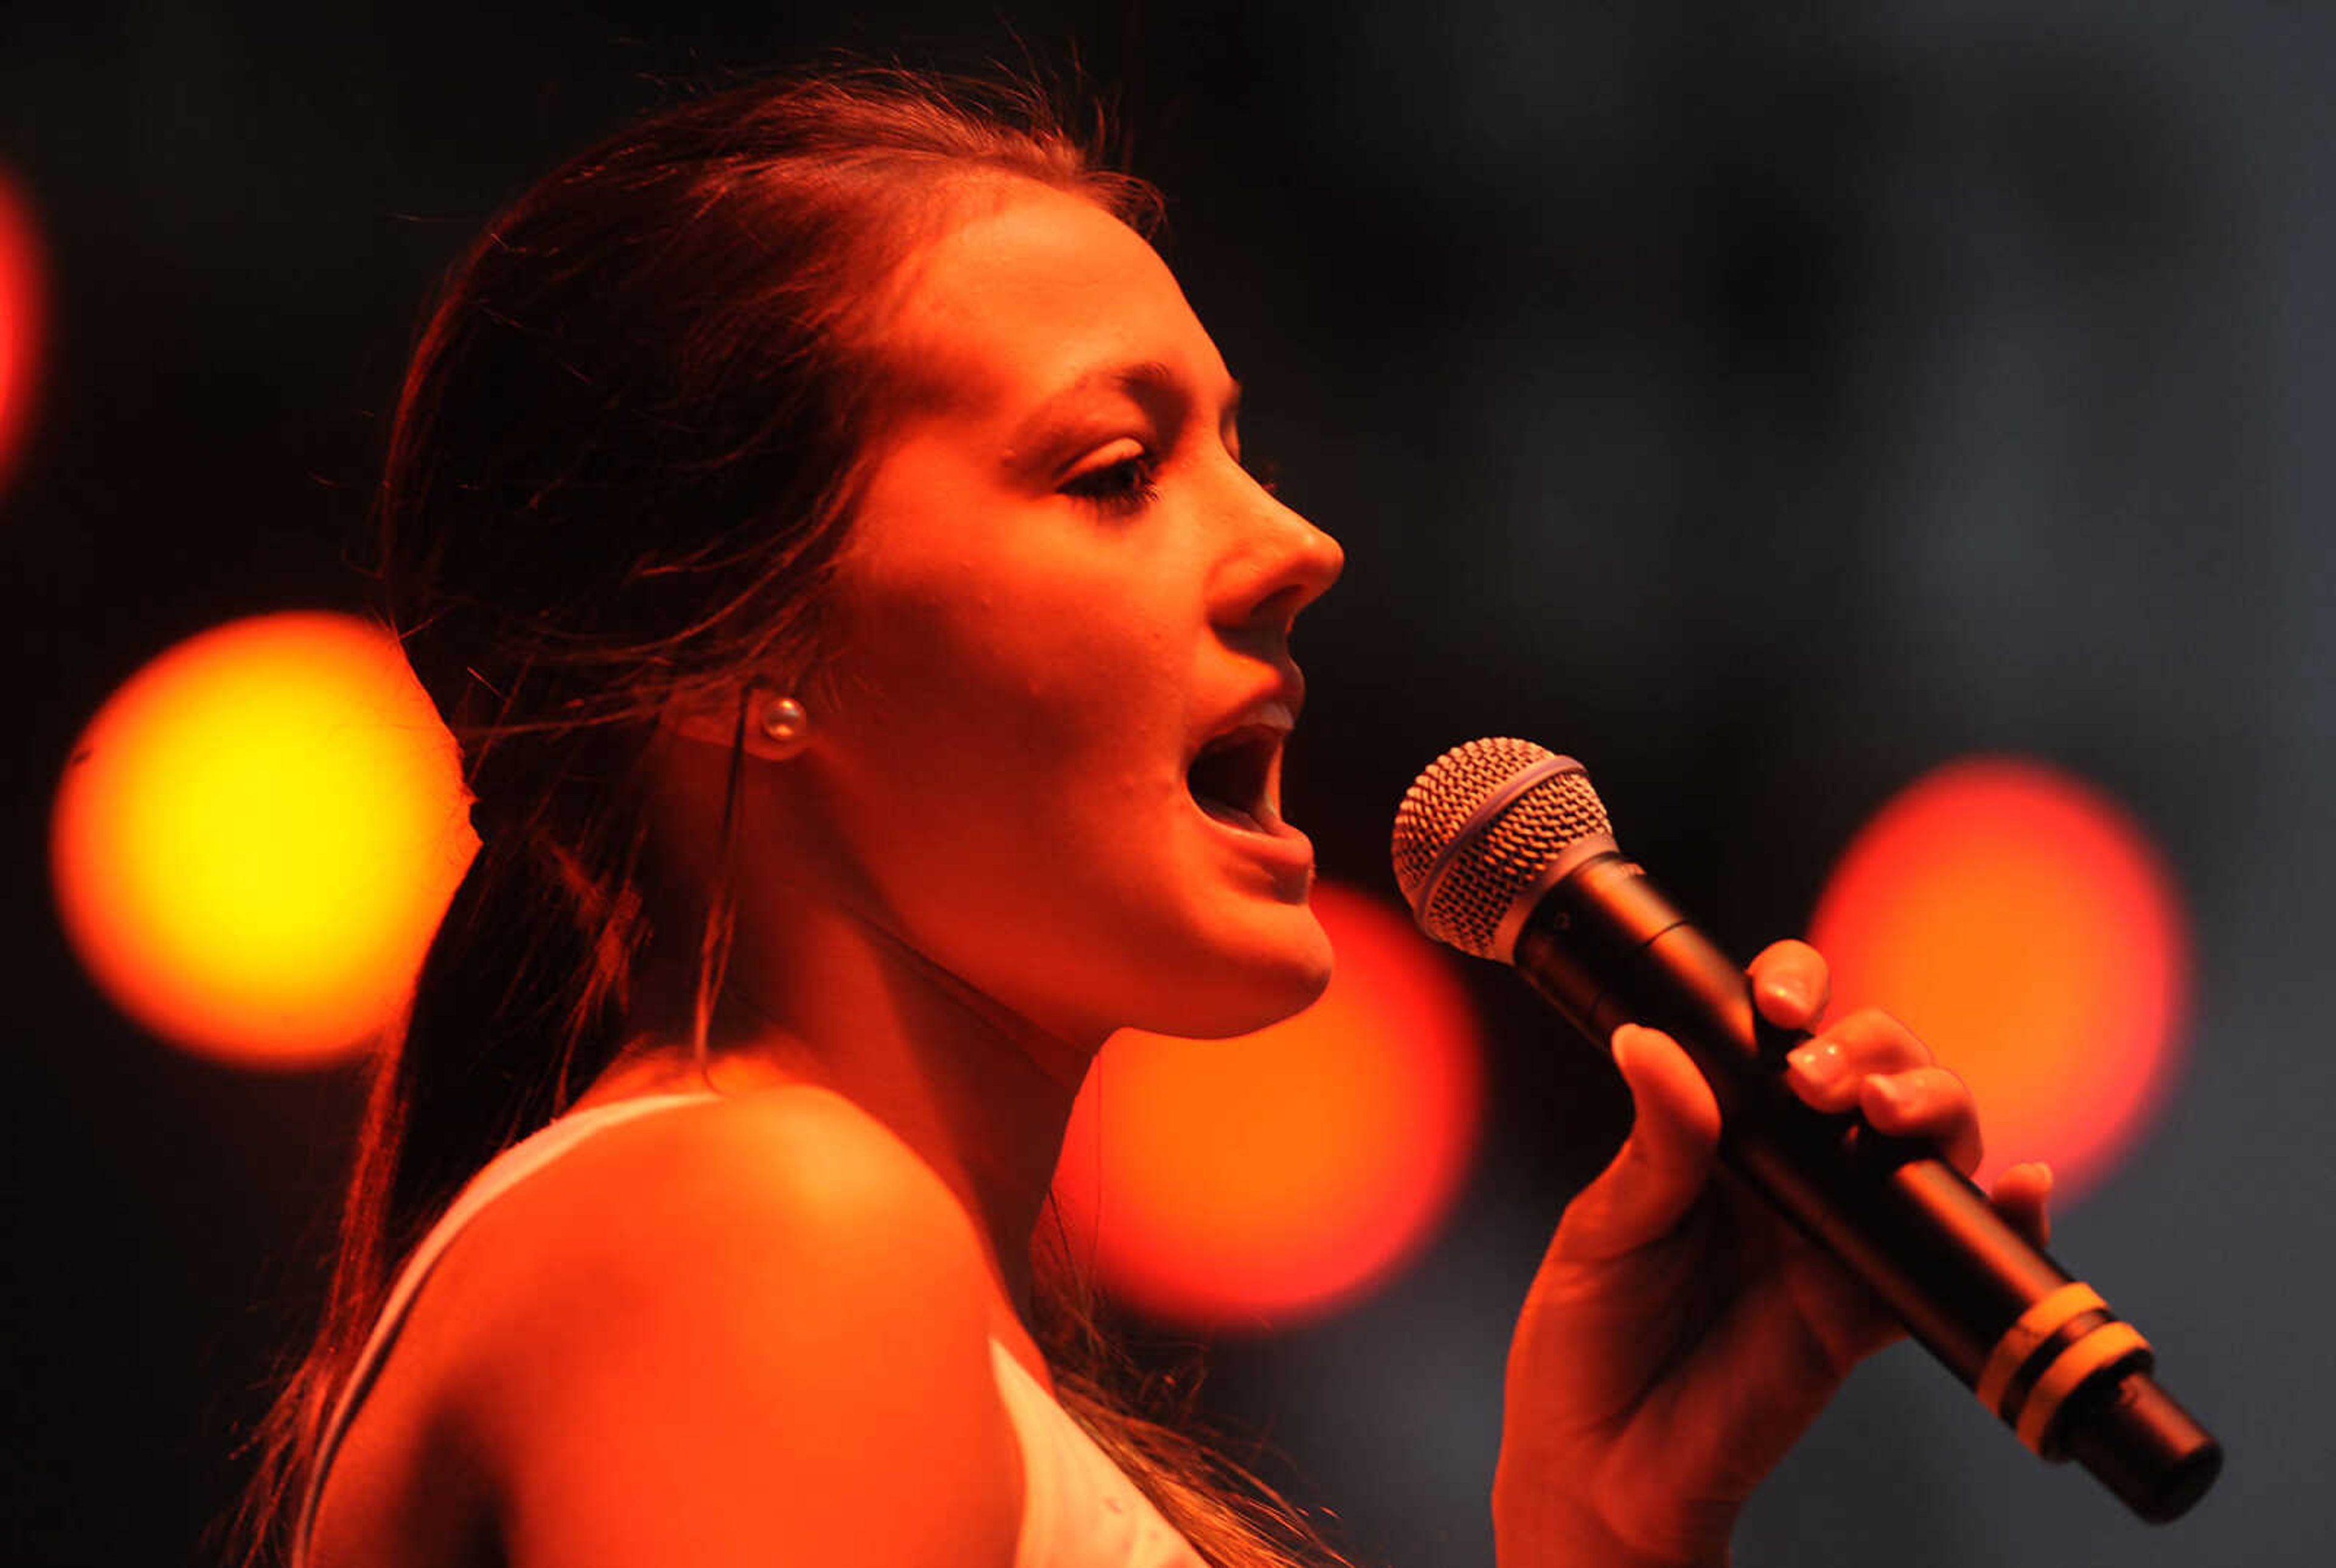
(1079, 1510)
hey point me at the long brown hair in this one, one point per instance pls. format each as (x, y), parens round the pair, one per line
(624, 460)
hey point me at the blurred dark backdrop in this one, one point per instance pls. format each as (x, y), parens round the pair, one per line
(1763, 404)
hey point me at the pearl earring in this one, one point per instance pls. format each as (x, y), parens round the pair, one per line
(785, 724)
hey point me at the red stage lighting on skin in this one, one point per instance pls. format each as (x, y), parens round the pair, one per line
(2024, 925)
(256, 837)
(23, 307)
(1253, 1181)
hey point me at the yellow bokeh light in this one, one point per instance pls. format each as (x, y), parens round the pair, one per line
(256, 837)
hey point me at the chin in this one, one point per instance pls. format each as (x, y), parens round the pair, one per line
(1279, 971)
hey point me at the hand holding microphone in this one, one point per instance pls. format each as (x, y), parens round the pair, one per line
(1505, 851)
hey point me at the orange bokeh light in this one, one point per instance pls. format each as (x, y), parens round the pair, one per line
(2023, 924)
(23, 308)
(257, 836)
(1257, 1181)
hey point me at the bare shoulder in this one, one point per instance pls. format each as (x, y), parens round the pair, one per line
(751, 1330)
(717, 1187)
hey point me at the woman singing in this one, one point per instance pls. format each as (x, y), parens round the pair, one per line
(821, 519)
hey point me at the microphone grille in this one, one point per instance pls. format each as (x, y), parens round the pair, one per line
(1478, 828)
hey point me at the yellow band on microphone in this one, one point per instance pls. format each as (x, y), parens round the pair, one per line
(2106, 1346)
(2046, 1317)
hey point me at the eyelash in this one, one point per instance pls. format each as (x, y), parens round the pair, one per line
(1129, 485)
(1132, 483)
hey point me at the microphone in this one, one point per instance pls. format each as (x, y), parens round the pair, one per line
(1504, 851)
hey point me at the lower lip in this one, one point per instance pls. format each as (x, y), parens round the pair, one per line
(1279, 845)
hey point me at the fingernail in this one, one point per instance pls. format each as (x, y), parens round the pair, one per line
(1816, 1065)
(1787, 994)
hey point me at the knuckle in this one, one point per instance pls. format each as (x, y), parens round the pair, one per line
(1941, 1091)
(1886, 1037)
(1790, 957)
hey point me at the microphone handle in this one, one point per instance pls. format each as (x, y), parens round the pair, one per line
(2040, 1349)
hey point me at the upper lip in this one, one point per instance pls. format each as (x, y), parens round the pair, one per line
(1238, 763)
(1276, 709)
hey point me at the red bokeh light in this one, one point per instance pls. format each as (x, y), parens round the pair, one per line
(256, 837)
(24, 310)
(2024, 925)
(1257, 1181)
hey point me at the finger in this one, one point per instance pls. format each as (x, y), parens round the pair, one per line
(1925, 1103)
(2021, 1194)
(1663, 1165)
(1791, 984)
(1827, 1070)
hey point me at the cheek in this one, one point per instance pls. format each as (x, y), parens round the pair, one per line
(1026, 672)
(990, 744)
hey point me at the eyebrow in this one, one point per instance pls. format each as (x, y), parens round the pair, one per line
(1149, 383)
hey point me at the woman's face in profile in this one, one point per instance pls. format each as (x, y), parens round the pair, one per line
(1062, 672)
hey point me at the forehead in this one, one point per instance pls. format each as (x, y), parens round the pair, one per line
(1034, 289)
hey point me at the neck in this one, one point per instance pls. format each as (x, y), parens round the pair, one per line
(981, 1094)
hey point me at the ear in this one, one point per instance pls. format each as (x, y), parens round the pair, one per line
(775, 728)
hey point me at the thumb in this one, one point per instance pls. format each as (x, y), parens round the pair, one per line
(1664, 1163)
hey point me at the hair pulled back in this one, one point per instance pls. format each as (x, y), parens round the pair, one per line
(622, 467)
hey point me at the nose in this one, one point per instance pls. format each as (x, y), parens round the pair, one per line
(1277, 564)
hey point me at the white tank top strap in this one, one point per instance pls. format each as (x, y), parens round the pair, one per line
(1079, 1509)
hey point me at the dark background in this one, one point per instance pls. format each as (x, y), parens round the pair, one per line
(1765, 404)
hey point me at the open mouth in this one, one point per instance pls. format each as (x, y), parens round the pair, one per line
(1234, 779)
